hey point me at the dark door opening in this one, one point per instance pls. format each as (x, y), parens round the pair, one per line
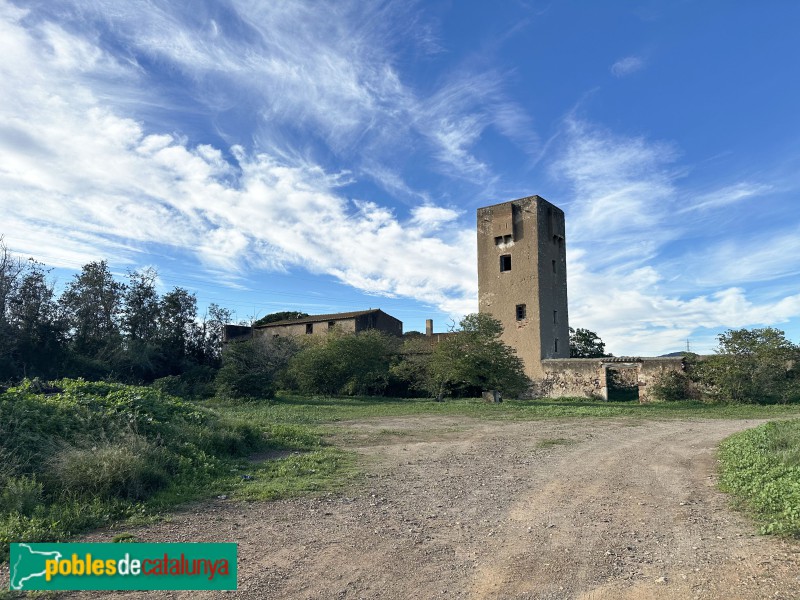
(622, 384)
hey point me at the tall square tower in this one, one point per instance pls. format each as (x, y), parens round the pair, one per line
(522, 277)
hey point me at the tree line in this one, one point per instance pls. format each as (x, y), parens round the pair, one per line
(101, 328)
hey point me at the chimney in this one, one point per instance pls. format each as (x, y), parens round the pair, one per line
(429, 327)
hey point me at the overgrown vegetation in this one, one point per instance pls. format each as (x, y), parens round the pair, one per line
(761, 467)
(80, 454)
(753, 366)
(465, 363)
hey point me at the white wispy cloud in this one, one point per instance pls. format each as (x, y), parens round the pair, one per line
(725, 196)
(104, 185)
(627, 65)
(627, 201)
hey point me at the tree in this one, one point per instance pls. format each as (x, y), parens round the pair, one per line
(39, 327)
(177, 329)
(413, 364)
(211, 334)
(139, 326)
(344, 363)
(584, 343)
(280, 316)
(476, 359)
(752, 366)
(10, 269)
(141, 310)
(92, 303)
(250, 368)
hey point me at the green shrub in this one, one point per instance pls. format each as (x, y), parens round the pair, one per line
(250, 368)
(20, 495)
(344, 363)
(673, 386)
(755, 366)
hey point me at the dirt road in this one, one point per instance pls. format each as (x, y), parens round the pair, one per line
(455, 508)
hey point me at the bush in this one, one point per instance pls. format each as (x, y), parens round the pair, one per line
(20, 495)
(91, 452)
(344, 363)
(673, 386)
(758, 366)
(476, 359)
(250, 368)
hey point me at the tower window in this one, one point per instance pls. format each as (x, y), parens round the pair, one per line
(554, 266)
(555, 346)
(309, 328)
(521, 312)
(555, 317)
(505, 263)
(498, 240)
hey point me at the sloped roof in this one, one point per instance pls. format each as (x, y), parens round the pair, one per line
(318, 318)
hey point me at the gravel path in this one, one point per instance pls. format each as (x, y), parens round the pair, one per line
(457, 508)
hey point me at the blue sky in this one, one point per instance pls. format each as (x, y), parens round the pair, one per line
(330, 156)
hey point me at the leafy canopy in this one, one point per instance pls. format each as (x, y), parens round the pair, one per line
(476, 359)
(584, 343)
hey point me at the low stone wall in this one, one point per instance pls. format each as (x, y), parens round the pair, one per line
(571, 377)
(588, 377)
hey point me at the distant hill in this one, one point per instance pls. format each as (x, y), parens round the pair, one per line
(682, 353)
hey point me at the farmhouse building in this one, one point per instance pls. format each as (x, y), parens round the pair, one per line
(351, 322)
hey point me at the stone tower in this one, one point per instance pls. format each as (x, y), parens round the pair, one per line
(522, 277)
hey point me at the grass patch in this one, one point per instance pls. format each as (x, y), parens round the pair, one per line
(761, 468)
(550, 442)
(317, 410)
(320, 470)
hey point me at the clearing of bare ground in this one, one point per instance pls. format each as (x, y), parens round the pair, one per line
(453, 507)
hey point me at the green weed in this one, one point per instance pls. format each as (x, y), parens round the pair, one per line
(761, 468)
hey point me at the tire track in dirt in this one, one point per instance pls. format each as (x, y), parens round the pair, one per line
(460, 508)
(636, 514)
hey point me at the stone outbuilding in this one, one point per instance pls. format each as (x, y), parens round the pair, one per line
(352, 322)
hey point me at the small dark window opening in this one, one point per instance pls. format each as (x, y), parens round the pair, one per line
(556, 345)
(310, 328)
(505, 263)
(506, 239)
(521, 312)
(554, 267)
(331, 324)
(555, 317)
(498, 240)
(275, 335)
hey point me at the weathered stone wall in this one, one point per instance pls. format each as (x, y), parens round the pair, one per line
(650, 370)
(300, 329)
(588, 377)
(571, 377)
